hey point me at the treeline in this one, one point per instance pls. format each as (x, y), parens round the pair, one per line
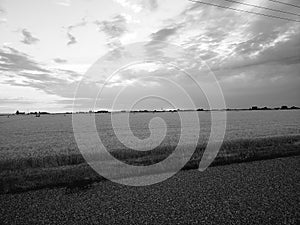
(31, 113)
(284, 107)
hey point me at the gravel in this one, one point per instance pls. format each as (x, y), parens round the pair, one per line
(261, 192)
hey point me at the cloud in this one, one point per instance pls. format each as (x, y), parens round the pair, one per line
(3, 20)
(138, 5)
(46, 82)
(19, 69)
(59, 60)
(150, 5)
(242, 40)
(163, 34)
(64, 3)
(153, 4)
(5, 101)
(82, 23)
(114, 30)
(145, 74)
(28, 38)
(256, 43)
(130, 4)
(2, 11)
(72, 39)
(275, 47)
(14, 61)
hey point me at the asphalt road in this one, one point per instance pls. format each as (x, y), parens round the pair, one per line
(262, 192)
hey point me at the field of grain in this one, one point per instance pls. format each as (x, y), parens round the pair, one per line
(42, 152)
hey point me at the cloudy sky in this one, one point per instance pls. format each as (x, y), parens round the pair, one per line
(47, 46)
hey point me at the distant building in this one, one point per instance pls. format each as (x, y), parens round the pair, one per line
(254, 108)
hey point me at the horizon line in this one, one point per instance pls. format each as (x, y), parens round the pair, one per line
(283, 107)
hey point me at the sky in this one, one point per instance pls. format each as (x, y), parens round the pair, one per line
(48, 47)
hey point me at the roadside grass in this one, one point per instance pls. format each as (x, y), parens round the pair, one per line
(73, 173)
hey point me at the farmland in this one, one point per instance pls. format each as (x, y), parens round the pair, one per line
(42, 152)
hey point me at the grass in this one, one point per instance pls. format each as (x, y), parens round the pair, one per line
(72, 172)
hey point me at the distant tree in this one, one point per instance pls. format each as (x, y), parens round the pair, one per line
(17, 113)
(102, 111)
(284, 107)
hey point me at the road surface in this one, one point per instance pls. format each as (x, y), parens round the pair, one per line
(262, 192)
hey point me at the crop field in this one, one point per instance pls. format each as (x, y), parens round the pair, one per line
(42, 152)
